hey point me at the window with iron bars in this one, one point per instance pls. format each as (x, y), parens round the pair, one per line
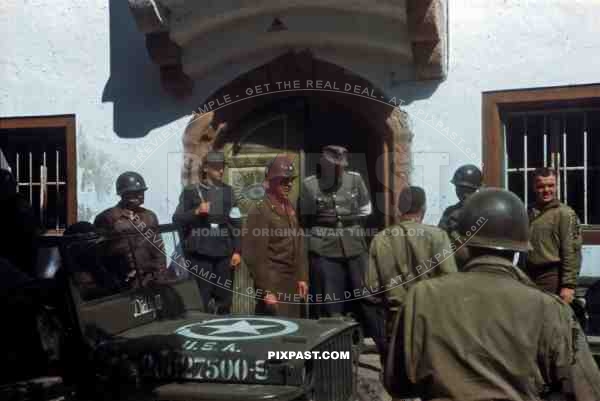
(40, 152)
(565, 139)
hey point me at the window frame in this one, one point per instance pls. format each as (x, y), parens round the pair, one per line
(67, 122)
(494, 103)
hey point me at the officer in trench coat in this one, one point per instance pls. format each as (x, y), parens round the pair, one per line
(334, 206)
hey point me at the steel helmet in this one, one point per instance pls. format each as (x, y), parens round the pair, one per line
(281, 166)
(130, 181)
(467, 176)
(495, 218)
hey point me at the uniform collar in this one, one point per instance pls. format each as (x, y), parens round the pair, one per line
(409, 220)
(280, 206)
(550, 205)
(496, 264)
(123, 211)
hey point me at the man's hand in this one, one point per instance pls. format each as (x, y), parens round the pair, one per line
(236, 259)
(271, 299)
(202, 209)
(303, 289)
(567, 294)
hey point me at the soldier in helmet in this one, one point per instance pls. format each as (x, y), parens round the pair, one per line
(211, 221)
(274, 245)
(134, 257)
(467, 180)
(487, 333)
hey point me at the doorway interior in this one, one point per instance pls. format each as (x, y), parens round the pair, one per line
(302, 125)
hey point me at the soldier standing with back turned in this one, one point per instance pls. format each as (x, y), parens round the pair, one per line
(211, 223)
(487, 333)
(404, 254)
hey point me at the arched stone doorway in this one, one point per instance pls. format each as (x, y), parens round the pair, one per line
(384, 138)
(253, 131)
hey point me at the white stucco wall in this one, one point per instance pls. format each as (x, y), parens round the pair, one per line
(87, 58)
(498, 45)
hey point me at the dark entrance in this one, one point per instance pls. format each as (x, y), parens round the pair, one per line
(302, 126)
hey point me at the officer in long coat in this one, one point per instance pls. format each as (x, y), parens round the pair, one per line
(487, 333)
(211, 224)
(554, 259)
(134, 256)
(273, 246)
(334, 205)
(405, 254)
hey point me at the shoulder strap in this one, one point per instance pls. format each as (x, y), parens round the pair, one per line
(413, 253)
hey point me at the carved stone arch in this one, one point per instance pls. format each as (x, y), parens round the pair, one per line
(390, 124)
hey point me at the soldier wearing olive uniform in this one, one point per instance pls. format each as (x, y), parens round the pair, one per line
(487, 333)
(404, 254)
(554, 259)
(133, 258)
(467, 180)
(211, 223)
(273, 245)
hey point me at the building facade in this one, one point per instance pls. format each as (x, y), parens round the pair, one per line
(414, 89)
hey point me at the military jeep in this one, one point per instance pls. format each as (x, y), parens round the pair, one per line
(154, 341)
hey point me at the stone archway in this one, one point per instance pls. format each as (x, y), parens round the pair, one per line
(208, 129)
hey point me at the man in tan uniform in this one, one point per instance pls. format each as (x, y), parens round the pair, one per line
(487, 333)
(404, 254)
(273, 246)
(554, 259)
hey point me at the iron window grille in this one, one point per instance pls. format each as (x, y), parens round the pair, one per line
(566, 140)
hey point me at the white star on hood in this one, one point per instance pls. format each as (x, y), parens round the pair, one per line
(238, 327)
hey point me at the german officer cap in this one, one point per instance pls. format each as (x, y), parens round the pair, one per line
(336, 155)
(215, 157)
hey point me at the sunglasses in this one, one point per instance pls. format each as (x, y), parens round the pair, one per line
(287, 181)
